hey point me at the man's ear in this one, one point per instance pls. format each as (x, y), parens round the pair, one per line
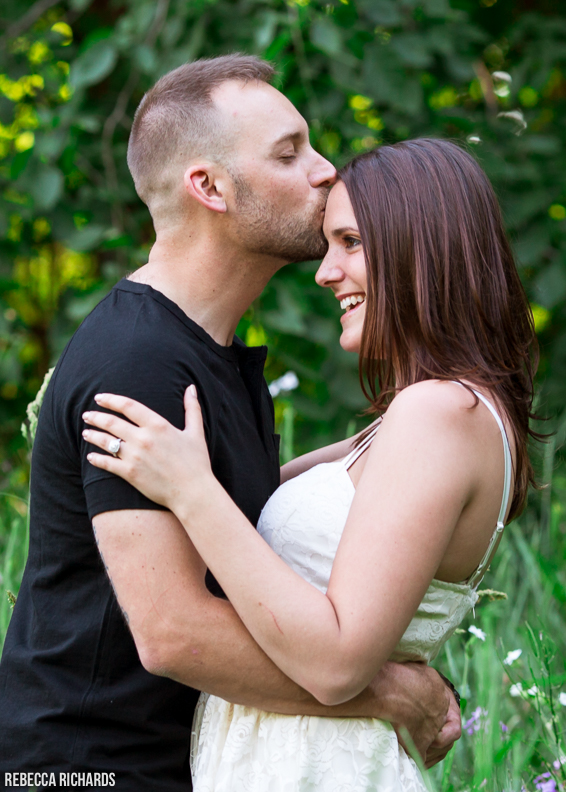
(204, 182)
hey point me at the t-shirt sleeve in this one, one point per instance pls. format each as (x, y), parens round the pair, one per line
(154, 378)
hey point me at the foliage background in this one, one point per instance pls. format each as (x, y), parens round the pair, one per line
(488, 73)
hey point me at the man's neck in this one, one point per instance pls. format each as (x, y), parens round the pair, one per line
(212, 286)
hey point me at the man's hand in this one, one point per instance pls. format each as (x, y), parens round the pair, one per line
(415, 698)
(445, 739)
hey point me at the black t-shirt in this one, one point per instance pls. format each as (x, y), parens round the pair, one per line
(73, 694)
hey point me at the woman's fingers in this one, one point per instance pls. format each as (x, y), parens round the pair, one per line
(132, 409)
(101, 439)
(105, 462)
(111, 424)
(193, 412)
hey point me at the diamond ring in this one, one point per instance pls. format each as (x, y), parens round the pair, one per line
(114, 446)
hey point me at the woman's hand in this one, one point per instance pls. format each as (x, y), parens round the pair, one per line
(159, 460)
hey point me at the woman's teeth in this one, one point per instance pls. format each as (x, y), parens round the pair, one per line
(349, 302)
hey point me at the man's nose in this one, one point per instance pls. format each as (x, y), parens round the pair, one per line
(323, 173)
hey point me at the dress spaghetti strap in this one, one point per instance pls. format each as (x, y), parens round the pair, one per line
(349, 460)
(475, 578)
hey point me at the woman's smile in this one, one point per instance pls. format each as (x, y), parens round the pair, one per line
(343, 269)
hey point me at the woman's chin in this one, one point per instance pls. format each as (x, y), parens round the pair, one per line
(350, 342)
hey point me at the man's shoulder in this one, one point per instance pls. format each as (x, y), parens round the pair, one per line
(135, 345)
(132, 323)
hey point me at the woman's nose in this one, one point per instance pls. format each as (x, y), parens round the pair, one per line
(329, 272)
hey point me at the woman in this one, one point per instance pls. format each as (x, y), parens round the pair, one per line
(377, 555)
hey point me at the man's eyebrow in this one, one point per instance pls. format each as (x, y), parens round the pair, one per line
(290, 136)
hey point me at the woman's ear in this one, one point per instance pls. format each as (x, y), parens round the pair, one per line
(204, 182)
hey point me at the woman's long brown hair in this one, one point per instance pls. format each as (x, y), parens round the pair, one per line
(444, 299)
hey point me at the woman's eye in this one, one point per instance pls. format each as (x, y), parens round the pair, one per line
(288, 157)
(351, 242)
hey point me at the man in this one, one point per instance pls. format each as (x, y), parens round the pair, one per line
(101, 669)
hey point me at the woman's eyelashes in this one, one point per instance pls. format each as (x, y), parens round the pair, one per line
(351, 242)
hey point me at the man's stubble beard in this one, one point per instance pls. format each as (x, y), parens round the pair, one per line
(265, 230)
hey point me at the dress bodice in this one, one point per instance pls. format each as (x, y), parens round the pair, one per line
(303, 523)
(238, 747)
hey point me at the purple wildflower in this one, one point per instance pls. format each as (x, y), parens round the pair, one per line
(504, 727)
(474, 724)
(545, 783)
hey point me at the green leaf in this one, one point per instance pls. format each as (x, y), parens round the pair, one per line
(411, 48)
(93, 65)
(277, 45)
(51, 144)
(546, 145)
(47, 187)
(437, 9)
(146, 59)
(79, 5)
(86, 238)
(326, 36)
(532, 244)
(265, 31)
(550, 285)
(382, 12)
(19, 163)
(124, 240)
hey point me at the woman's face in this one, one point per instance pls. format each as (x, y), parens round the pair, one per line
(343, 268)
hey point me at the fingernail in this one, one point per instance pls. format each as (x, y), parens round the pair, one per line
(97, 397)
(86, 433)
(86, 416)
(90, 457)
(192, 390)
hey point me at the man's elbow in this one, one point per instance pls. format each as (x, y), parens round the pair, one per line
(160, 653)
(154, 659)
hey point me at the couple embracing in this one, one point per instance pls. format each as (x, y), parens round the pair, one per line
(147, 580)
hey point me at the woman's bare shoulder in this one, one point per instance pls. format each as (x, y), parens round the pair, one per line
(432, 398)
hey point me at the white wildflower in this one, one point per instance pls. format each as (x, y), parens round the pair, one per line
(562, 699)
(501, 75)
(516, 690)
(518, 117)
(512, 656)
(477, 632)
(287, 382)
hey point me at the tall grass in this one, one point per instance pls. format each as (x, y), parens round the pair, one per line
(13, 552)
(514, 712)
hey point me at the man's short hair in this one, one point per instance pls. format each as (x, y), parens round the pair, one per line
(177, 120)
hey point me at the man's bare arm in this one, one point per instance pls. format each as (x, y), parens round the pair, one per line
(185, 633)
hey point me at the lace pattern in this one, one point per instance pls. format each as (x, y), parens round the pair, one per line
(241, 749)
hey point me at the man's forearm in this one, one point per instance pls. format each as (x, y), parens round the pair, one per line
(229, 664)
(222, 659)
(181, 631)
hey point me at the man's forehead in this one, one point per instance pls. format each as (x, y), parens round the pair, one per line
(258, 105)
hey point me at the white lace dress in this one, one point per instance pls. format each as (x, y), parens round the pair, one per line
(243, 749)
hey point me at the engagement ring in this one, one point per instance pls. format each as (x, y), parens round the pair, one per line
(114, 446)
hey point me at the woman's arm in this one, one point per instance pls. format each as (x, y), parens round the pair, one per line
(416, 482)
